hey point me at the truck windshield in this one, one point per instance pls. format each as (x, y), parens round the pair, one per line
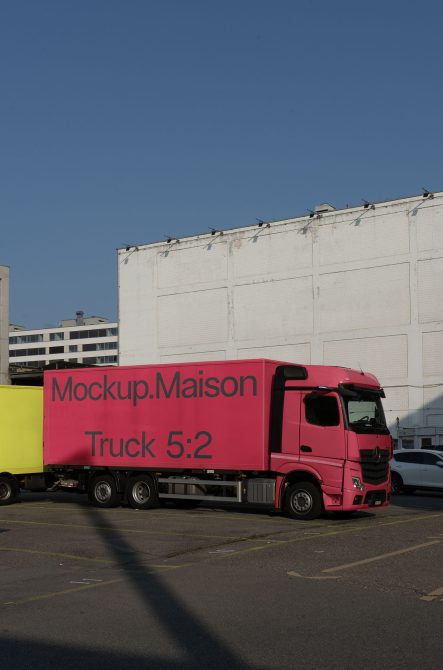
(364, 411)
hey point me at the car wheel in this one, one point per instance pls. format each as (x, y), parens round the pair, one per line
(396, 484)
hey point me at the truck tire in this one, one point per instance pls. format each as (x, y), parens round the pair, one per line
(303, 500)
(103, 491)
(141, 492)
(9, 490)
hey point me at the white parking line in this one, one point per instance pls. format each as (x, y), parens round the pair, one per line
(433, 595)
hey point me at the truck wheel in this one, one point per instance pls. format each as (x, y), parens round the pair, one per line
(9, 490)
(396, 484)
(103, 491)
(141, 492)
(303, 500)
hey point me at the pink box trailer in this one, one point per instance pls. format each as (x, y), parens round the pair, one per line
(247, 431)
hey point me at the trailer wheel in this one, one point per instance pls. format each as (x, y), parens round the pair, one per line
(303, 500)
(103, 491)
(141, 492)
(9, 490)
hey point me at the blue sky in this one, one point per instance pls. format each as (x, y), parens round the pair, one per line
(125, 120)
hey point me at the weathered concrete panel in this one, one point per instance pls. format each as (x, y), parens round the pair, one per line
(433, 354)
(200, 264)
(365, 298)
(196, 356)
(291, 353)
(385, 356)
(366, 237)
(433, 398)
(265, 252)
(429, 221)
(430, 290)
(198, 317)
(273, 309)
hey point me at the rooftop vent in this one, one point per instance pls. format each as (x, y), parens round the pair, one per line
(79, 318)
(325, 207)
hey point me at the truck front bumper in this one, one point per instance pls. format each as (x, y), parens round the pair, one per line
(353, 500)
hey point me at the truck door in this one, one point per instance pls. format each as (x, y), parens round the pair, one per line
(290, 439)
(322, 435)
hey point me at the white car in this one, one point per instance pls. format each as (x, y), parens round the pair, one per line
(416, 469)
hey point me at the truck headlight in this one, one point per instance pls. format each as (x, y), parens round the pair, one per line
(357, 483)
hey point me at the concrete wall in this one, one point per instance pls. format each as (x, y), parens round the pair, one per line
(4, 324)
(360, 287)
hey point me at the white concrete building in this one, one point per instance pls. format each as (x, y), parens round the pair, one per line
(4, 321)
(360, 287)
(89, 340)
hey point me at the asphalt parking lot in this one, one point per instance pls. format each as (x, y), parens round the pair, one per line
(219, 587)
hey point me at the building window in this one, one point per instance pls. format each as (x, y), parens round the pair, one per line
(85, 334)
(107, 360)
(108, 346)
(407, 443)
(15, 353)
(56, 337)
(92, 332)
(89, 347)
(100, 346)
(26, 339)
(56, 350)
(73, 348)
(100, 360)
(426, 442)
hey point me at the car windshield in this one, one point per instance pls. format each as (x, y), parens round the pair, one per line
(364, 411)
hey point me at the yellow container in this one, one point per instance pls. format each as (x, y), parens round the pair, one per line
(21, 429)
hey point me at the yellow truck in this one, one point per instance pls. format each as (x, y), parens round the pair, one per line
(21, 441)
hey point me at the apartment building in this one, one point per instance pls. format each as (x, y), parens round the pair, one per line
(91, 340)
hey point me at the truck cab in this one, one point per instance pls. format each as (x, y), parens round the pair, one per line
(329, 434)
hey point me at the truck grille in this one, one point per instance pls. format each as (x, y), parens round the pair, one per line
(374, 465)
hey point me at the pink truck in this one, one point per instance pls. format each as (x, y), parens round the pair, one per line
(304, 439)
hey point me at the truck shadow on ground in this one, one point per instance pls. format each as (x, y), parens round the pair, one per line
(191, 639)
(22, 653)
(190, 634)
(66, 497)
(268, 512)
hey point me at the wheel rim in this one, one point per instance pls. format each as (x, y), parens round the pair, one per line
(141, 492)
(5, 491)
(103, 492)
(302, 502)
